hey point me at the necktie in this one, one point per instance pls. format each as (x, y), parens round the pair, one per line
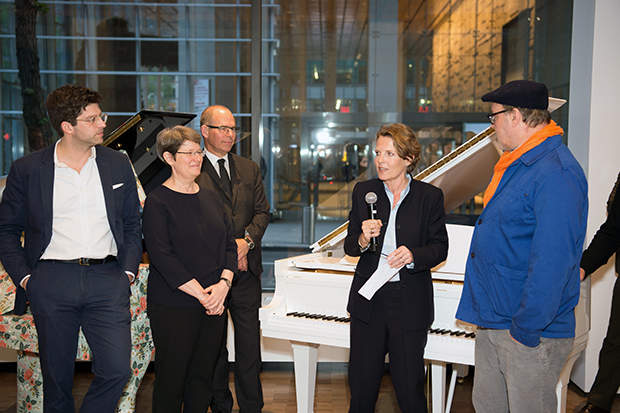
(225, 178)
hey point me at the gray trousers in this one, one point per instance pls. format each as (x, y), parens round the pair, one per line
(511, 377)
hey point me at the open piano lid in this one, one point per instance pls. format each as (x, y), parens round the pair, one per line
(461, 175)
(137, 137)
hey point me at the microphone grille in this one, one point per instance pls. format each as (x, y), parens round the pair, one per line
(371, 198)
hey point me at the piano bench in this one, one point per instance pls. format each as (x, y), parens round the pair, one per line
(19, 333)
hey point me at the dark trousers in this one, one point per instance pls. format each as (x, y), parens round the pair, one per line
(244, 301)
(65, 297)
(603, 391)
(187, 343)
(385, 333)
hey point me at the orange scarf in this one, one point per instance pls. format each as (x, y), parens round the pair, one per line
(508, 158)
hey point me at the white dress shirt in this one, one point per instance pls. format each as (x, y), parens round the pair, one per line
(80, 226)
(214, 158)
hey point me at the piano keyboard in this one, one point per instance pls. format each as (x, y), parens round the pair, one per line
(345, 320)
(451, 333)
(320, 317)
(444, 344)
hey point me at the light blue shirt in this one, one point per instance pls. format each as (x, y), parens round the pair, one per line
(389, 240)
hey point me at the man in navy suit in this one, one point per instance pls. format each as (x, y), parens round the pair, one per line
(76, 203)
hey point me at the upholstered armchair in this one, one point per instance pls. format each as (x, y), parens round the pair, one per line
(19, 333)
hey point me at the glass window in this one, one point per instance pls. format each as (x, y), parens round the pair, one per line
(331, 72)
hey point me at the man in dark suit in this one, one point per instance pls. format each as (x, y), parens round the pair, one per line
(78, 207)
(239, 183)
(605, 243)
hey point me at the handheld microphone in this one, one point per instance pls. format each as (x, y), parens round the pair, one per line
(371, 200)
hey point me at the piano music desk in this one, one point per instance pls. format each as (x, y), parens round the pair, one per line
(19, 333)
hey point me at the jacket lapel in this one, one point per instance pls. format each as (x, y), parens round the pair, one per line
(235, 180)
(207, 166)
(106, 182)
(46, 174)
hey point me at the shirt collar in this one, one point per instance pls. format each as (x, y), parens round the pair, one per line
(404, 192)
(531, 156)
(214, 158)
(93, 155)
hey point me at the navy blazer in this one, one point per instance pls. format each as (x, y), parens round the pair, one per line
(27, 206)
(421, 227)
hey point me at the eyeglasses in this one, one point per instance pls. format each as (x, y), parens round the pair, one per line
(92, 119)
(195, 153)
(492, 116)
(225, 129)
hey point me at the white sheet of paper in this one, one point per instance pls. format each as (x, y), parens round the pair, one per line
(382, 275)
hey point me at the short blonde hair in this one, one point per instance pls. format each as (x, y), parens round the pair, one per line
(405, 142)
(171, 139)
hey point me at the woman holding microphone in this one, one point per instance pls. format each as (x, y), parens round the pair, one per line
(410, 235)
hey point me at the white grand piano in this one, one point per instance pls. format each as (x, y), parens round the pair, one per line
(309, 304)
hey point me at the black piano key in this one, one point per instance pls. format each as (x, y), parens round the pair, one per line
(470, 335)
(460, 333)
(330, 317)
(291, 314)
(434, 331)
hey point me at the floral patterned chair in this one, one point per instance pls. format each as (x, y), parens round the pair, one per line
(19, 333)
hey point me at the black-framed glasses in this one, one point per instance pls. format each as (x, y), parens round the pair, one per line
(92, 119)
(194, 153)
(492, 116)
(225, 129)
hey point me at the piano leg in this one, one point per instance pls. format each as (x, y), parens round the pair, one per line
(561, 390)
(305, 357)
(438, 390)
(453, 379)
(462, 369)
(438, 380)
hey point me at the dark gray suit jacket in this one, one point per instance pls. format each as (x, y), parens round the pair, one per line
(27, 207)
(248, 208)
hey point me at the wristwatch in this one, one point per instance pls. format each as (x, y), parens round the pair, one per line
(249, 240)
(227, 281)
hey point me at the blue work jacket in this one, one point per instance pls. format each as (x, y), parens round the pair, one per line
(522, 272)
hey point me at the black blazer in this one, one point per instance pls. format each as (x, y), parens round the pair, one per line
(606, 241)
(248, 207)
(420, 226)
(27, 206)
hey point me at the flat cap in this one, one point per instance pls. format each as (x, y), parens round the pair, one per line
(520, 94)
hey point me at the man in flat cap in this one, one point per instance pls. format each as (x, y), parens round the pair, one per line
(522, 275)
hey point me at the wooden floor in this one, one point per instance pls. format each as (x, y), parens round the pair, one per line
(332, 392)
